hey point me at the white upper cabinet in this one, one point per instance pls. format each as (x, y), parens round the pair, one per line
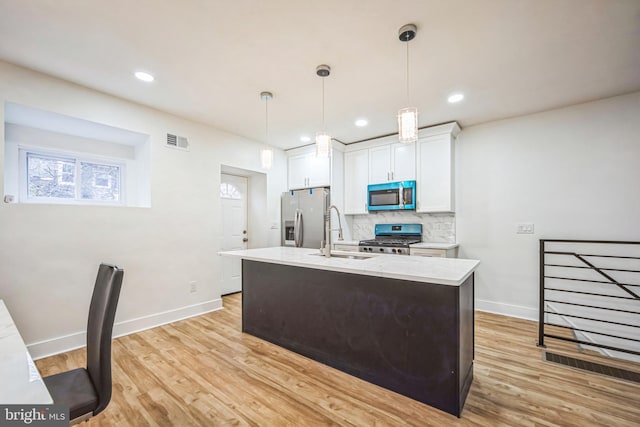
(435, 183)
(379, 164)
(356, 179)
(306, 170)
(393, 162)
(403, 162)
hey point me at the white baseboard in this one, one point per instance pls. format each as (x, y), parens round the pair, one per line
(46, 348)
(511, 310)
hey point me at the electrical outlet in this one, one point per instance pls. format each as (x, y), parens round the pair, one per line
(193, 286)
(524, 228)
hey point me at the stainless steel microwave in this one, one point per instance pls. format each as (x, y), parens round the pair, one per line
(392, 196)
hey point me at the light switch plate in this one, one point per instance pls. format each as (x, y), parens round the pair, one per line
(524, 228)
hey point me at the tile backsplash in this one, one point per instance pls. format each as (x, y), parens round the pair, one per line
(436, 228)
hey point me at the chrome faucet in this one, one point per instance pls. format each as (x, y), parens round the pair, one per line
(328, 229)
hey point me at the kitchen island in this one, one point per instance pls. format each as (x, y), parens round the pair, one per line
(404, 323)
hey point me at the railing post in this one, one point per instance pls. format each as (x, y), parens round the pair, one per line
(541, 303)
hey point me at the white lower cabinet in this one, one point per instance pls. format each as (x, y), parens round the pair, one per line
(343, 247)
(441, 253)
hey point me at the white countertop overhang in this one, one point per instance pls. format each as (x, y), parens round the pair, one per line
(444, 271)
(20, 381)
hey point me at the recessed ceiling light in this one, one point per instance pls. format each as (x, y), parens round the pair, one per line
(455, 97)
(361, 122)
(305, 138)
(145, 77)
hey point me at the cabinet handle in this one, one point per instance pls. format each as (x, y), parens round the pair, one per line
(388, 179)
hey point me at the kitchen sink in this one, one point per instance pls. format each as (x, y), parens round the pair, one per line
(345, 256)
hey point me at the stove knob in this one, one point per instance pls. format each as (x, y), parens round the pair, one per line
(394, 251)
(381, 250)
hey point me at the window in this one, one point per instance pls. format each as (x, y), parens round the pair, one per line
(69, 178)
(229, 191)
(72, 160)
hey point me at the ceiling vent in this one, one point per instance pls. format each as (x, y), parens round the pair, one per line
(179, 142)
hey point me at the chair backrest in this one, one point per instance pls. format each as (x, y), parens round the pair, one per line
(102, 312)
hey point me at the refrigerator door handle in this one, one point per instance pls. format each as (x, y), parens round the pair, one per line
(297, 229)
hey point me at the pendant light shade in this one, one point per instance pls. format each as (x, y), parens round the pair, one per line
(266, 158)
(266, 154)
(323, 144)
(408, 124)
(323, 139)
(407, 117)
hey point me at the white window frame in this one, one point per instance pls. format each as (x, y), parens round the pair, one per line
(79, 158)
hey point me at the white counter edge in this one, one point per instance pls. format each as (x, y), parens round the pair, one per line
(449, 271)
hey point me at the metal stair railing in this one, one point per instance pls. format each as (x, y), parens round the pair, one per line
(586, 304)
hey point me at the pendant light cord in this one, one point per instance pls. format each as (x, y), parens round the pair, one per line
(266, 119)
(407, 43)
(323, 126)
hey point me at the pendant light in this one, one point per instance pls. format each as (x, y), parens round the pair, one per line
(266, 154)
(323, 139)
(407, 117)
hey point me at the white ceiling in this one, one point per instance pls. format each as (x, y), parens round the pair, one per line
(211, 59)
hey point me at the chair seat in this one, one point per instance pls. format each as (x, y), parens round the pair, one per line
(74, 389)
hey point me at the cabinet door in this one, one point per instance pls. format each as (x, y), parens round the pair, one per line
(298, 171)
(356, 178)
(319, 172)
(306, 170)
(403, 166)
(380, 164)
(438, 253)
(349, 248)
(435, 174)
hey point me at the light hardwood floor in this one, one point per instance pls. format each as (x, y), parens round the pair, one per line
(204, 371)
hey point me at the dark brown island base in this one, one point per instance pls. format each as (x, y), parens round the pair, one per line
(415, 338)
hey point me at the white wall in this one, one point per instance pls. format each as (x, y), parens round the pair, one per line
(49, 254)
(573, 172)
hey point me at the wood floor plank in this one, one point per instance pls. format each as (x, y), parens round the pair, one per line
(204, 371)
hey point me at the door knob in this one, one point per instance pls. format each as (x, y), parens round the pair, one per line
(245, 240)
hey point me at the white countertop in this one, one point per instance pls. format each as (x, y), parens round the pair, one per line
(346, 242)
(20, 381)
(445, 271)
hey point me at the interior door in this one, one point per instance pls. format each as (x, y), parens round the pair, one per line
(233, 200)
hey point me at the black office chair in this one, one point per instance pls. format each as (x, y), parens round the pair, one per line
(87, 392)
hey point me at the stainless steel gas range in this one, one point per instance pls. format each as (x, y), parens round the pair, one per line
(392, 239)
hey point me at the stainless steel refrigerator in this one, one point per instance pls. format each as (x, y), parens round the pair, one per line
(303, 217)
